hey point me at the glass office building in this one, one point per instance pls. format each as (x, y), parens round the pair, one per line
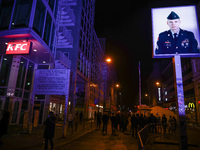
(22, 22)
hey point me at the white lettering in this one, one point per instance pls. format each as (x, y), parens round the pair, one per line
(17, 46)
(23, 49)
(10, 47)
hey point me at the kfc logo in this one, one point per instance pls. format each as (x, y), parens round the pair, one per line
(18, 48)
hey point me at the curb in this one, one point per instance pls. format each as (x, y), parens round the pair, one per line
(66, 142)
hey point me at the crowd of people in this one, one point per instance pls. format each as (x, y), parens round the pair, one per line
(135, 122)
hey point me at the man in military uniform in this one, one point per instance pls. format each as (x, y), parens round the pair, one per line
(176, 40)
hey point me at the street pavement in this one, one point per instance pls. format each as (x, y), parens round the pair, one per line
(91, 138)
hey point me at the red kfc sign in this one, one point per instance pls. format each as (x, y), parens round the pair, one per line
(18, 48)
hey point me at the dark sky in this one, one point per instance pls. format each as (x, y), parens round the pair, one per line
(126, 25)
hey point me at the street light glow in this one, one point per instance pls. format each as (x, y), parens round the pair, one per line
(117, 85)
(108, 60)
(157, 83)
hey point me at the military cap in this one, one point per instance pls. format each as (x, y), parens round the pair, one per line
(172, 16)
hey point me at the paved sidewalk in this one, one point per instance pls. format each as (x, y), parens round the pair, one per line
(16, 139)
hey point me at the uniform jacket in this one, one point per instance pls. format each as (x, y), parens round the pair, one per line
(186, 43)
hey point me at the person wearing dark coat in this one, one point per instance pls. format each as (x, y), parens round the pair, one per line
(113, 120)
(49, 130)
(4, 122)
(105, 119)
(134, 125)
(99, 120)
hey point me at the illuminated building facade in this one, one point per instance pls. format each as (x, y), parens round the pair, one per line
(21, 22)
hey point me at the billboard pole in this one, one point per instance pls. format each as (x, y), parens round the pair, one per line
(139, 84)
(180, 98)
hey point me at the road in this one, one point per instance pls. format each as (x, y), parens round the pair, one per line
(95, 140)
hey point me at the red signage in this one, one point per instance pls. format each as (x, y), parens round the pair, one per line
(18, 48)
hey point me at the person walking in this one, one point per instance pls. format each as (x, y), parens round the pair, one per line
(49, 130)
(164, 123)
(113, 120)
(134, 125)
(105, 119)
(99, 115)
(70, 121)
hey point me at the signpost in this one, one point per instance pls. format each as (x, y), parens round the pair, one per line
(181, 105)
(53, 82)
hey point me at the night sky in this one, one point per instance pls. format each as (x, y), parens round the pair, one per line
(126, 25)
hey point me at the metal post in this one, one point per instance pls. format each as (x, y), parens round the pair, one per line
(181, 105)
(65, 117)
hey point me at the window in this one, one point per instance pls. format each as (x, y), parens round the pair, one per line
(39, 17)
(22, 13)
(29, 76)
(47, 28)
(5, 70)
(21, 73)
(5, 13)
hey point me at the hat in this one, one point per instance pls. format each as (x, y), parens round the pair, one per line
(172, 16)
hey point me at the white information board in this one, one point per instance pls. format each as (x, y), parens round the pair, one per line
(51, 81)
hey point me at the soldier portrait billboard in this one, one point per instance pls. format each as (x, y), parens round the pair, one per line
(175, 31)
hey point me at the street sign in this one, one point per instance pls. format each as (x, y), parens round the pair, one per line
(51, 81)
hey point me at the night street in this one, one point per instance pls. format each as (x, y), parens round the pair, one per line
(96, 141)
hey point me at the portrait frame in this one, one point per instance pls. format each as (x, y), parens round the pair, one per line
(189, 22)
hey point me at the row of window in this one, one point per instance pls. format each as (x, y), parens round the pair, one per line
(20, 17)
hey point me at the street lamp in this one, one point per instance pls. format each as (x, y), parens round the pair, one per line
(117, 85)
(157, 83)
(108, 60)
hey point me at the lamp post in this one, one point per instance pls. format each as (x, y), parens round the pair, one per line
(107, 72)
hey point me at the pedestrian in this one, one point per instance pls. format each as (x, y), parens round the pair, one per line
(105, 119)
(118, 120)
(176, 40)
(4, 122)
(49, 130)
(134, 125)
(141, 122)
(76, 118)
(70, 122)
(164, 123)
(113, 120)
(99, 117)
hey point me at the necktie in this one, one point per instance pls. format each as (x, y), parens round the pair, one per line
(175, 37)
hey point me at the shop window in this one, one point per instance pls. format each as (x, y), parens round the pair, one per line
(18, 93)
(5, 70)
(38, 23)
(21, 73)
(24, 109)
(3, 91)
(22, 13)
(26, 95)
(29, 76)
(47, 28)
(5, 13)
